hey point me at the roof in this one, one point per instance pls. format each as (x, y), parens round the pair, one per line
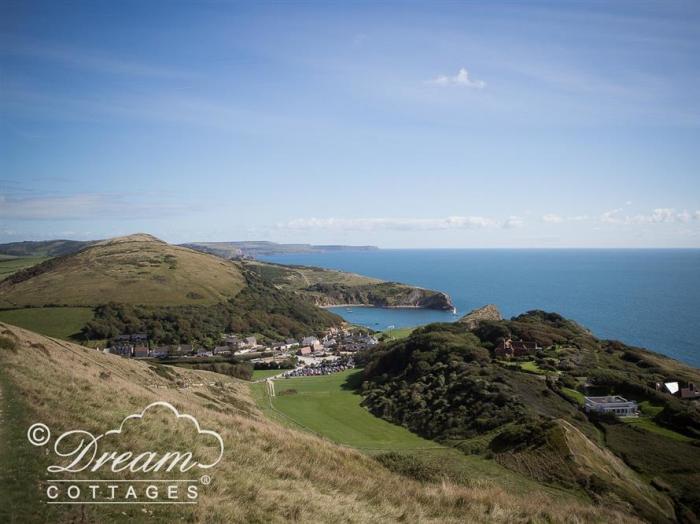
(607, 400)
(672, 387)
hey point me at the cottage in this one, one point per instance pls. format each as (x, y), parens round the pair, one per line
(305, 351)
(614, 404)
(250, 342)
(139, 351)
(309, 341)
(515, 348)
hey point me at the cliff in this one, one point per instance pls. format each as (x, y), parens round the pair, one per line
(475, 317)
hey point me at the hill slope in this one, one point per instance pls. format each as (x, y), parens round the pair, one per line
(137, 269)
(267, 474)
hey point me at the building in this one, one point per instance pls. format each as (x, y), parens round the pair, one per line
(250, 342)
(305, 351)
(613, 404)
(309, 341)
(515, 348)
(675, 389)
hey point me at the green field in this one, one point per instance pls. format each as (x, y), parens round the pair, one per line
(9, 265)
(574, 395)
(649, 425)
(398, 333)
(264, 373)
(329, 407)
(59, 322)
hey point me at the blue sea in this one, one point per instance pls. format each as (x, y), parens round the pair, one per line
(648, 298)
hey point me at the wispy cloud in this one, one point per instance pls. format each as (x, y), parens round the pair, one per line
(396, 224)
(95, 61)
(86, 206)
(552, 218)
(657, 216)
(461, 79)
(513, 222)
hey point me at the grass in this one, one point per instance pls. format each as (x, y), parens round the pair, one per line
(649, 409)
(399, 333)
(19, 464)
(328, 406)
(138, 269)
(269, 473)
(9, 265)
(59, 322)
(649, 425)
(574, 395)
(531, 367)
(259, 374)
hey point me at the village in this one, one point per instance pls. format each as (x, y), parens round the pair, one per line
(307, 356)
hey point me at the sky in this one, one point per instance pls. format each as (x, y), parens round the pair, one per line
(397, 124)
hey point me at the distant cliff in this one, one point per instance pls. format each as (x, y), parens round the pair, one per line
(384, 294)
(326, 287)
(253, 249)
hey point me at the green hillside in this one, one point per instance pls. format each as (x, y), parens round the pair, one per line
(326, 287)
(268, 472)
(141, 284)
(445, 382)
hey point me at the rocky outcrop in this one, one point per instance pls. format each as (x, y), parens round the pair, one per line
(384, 294)
(475, 317)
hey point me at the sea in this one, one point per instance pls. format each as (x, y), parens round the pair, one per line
(644, 297)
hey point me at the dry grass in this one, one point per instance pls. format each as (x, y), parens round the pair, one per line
(269, 473)
(138, 269)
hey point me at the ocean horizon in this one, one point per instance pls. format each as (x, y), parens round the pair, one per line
(645, 297)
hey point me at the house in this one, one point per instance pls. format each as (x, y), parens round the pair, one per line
(139, 351)
(515, 348)
(250, 342)
(690, 392)
(308, 341)
(305, 351)
(675, 389)
(291, 342)
(613, 404)
(222, 350)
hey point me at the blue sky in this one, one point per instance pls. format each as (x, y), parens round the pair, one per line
(412, 124)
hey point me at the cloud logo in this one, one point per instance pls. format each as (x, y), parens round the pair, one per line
(178, 415)
(85, 451)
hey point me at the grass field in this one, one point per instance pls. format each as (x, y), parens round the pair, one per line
(264, 373)
(574, 395)
(399, 333)
(649, 425)
(9, 265)
(59, 322)
(328, 406)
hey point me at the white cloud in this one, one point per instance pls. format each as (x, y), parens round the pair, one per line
(661, 215)
(396, 224)
(551, 218)
(462, 79)
(513, 222)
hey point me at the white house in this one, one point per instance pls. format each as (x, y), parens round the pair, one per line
(616, 405)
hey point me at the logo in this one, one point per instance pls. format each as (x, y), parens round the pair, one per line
(134, 463)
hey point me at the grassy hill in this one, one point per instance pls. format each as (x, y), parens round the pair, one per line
(137, 269)
(444, 382)
(268, 473)
(141, 284)
(326, 287)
